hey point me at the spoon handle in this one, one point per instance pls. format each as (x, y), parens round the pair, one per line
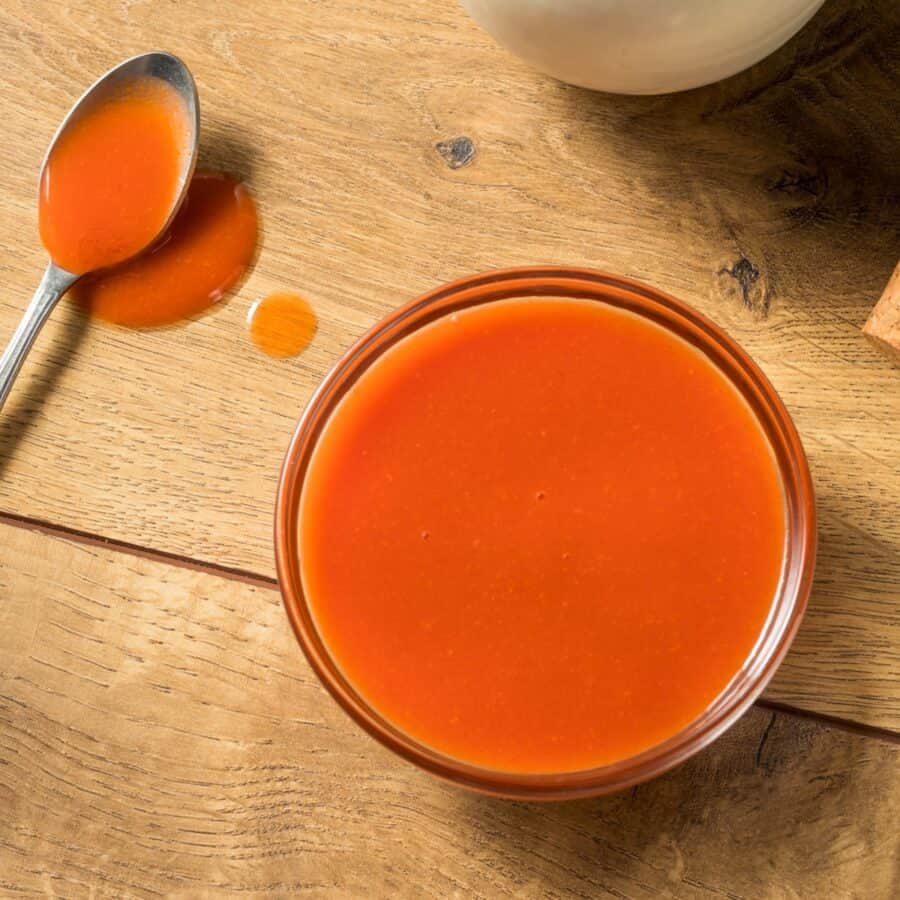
(53, 285)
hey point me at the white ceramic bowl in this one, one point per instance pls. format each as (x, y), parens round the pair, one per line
(642, 46)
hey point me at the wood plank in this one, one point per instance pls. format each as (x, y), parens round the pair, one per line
(161, 734)
(768, 201)
(845, 660)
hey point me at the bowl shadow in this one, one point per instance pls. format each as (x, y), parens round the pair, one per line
(777, 803)
(793, 163)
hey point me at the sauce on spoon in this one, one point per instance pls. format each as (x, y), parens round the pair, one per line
(112, 177)
(107, 190)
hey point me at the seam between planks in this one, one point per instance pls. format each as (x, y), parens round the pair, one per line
(175, 559)
(245, 576)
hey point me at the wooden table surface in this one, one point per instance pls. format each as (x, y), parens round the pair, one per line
(160, 732)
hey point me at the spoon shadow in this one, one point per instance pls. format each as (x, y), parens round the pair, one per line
(224, 149)
(38, 383)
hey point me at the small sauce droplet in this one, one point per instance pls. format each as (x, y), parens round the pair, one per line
(281, 324)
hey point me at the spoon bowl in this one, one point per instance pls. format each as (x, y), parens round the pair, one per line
(57, 280)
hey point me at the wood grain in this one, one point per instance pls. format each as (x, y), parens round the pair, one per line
(392, 146)
(161, 734)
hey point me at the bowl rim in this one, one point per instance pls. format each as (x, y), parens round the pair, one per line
(794, 586)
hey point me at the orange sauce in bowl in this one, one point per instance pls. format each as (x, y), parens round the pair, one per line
(112, 177)
(541, 535)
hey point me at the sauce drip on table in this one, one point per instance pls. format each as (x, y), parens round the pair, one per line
(541, 535)
(112, 178)
(208, 248)
(281, 324)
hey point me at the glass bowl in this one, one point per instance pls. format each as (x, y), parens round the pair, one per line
(800, 536)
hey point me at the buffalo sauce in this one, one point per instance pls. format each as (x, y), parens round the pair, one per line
(281, 324)
(112, 178)
(541, 535)
(210, 245)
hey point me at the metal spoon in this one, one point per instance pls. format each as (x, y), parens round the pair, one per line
(56, 280)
